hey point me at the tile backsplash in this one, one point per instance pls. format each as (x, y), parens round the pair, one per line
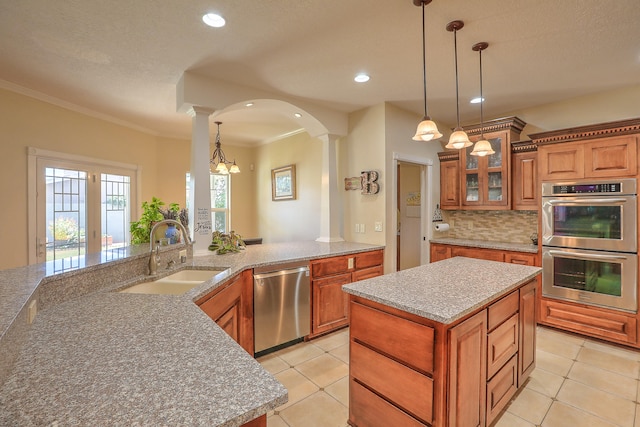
(494, 226)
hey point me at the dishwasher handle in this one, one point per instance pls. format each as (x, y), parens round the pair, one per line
(286, 272)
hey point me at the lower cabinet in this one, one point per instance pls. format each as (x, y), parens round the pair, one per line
(231, 307)
(409, 371)
(329, 304)
(592, 321)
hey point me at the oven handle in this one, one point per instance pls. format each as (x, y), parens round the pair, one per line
(586, 201)
(590, 256)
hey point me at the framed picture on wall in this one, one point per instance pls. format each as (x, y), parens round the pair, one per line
(283, 183)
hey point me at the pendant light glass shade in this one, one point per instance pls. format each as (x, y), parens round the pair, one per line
(427, 129)
(482, 147)
(459, 138)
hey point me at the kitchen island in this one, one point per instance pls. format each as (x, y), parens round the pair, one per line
(94, 356)
(444, 344)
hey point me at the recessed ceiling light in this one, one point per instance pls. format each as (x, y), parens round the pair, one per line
(249, 104)
(361, 78)
(476, 100)
(214, 20)
(298, 115)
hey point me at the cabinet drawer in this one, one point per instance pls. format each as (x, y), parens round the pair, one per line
(329, 266)
(501, 388)
(589, 321)
(369, 259)
(367, 273)
(367, 409)
(520, 258)
(503, 309)
(502, 344)
(404, 387)
(396, 337)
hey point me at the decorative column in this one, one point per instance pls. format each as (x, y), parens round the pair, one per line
(330, 201)
(199, 186)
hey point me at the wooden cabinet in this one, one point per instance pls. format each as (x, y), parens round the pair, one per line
(449, 180)
(231, 307)
(524, 177)
(440, 251)
(601, 323)
(329, 304)
(606, 150)
(485, 182)
(406, 370)
(482, 182)
(467, 372)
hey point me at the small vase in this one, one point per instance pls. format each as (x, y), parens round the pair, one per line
(172, 233)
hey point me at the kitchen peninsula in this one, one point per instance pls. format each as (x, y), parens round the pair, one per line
(444, 344)
(98, 357)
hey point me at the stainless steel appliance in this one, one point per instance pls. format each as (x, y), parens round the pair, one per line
(589, 239)
(282, 305)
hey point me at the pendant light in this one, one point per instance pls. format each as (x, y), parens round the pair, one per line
(459, 138)
(482, 147)
(427, 129)
(219, 158)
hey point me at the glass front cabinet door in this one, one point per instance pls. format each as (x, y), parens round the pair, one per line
(485, 179)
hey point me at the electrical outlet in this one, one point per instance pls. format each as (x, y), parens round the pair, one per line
(32, 310)
(182, 253)
(377, 226)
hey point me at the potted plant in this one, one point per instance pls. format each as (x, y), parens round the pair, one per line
(153, 212)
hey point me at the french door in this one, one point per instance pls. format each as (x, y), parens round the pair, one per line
(81, 206)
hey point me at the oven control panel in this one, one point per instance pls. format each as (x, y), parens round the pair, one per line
(624, 186)
(613, 187)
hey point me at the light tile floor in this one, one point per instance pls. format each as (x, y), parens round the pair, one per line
(577, 382)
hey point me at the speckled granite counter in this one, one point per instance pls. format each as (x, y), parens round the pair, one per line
(95, 357)
(486, 244)
(444, 291)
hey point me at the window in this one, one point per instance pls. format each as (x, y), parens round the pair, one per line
(220, 202)
(220, 185)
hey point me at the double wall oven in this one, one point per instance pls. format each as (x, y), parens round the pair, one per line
(589, 242)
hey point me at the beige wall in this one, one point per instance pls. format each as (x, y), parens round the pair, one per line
(289, 220)
(30, 123)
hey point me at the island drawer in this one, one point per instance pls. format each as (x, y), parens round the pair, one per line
(502, 344)
(501, 388)
(404, 387)
(398, 338)
(503, 309)
(368, 409)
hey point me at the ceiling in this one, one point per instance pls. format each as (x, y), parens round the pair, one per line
(121, 60)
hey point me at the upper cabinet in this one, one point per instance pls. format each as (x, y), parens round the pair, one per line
(484, 182)
(607, 150)
(524, 176)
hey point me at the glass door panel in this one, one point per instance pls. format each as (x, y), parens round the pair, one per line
(601, 277)
(495, 159)
(495, 186)
(66, 213)
(472, 187)
(115, 201)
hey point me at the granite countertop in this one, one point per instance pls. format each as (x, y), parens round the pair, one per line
(130, 359)
(486, 244)
(444, 291)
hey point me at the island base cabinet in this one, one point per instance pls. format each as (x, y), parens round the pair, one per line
(467, 372)
(406, 370)
(258, 422)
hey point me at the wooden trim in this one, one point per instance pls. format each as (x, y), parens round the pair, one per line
(622, 127)
(512, 123)
(523, 146)
(447, 156)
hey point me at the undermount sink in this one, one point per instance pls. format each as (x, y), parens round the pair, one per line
(174, 284)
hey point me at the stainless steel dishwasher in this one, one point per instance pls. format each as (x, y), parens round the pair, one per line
(282, 305)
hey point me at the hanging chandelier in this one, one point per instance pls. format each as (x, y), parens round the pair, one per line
(459, 138)
(427, 129)
(482, 147)
(219, 158)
